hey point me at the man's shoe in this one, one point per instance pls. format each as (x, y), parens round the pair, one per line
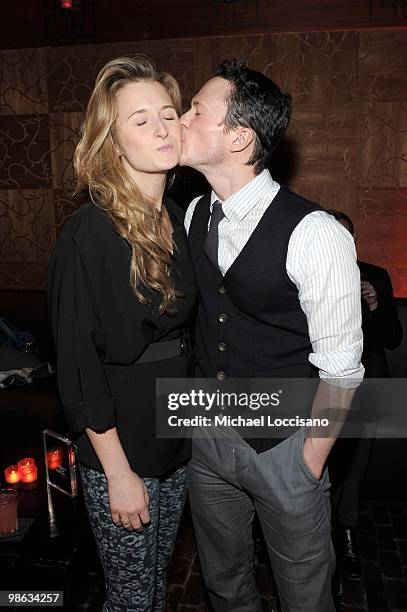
(347, 553)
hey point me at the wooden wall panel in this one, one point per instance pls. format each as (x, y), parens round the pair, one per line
(381, 219)
(30, 24)
(27, 234)
(64, 130)
(25, 152)
(346, 146)
(23, 84)
(382, 66)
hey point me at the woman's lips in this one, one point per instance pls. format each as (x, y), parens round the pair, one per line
(165, 148)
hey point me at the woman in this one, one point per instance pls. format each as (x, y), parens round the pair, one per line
(121, 297)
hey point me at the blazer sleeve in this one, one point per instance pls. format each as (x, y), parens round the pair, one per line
(79, 340)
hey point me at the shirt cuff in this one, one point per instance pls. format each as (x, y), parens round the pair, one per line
(350, 381)
(98, 414)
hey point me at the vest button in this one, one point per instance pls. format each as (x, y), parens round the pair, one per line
(222, 346)
(223, 317)
(222, 289)
(221, 375)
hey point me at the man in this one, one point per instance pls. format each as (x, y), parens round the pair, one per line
(381, 329)
(274, 302)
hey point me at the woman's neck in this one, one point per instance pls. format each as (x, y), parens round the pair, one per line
(151, 186)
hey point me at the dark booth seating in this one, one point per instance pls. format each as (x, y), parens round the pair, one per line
(26, 411)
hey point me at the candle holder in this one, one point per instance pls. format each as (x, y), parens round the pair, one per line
(27, 462)
(13, 477)
(29, 477)
(60, 463)
(28, 471)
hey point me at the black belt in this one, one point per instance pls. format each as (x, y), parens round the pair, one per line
(165, 349)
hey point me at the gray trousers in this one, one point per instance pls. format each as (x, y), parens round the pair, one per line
(228, 483)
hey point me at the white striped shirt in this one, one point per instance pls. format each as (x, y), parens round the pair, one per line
(321, 262)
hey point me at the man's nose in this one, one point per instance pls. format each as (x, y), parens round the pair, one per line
(184, 119)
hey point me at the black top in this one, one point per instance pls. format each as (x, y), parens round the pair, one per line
(250, 321)
(100, 330)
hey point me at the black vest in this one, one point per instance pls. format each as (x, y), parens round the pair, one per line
(250, 323)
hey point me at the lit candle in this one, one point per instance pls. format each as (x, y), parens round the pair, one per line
(54, 458)
(13, 476)
(29, 475)
(26, 462)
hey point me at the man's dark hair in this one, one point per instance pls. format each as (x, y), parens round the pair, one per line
(341, 216)
(256, 102)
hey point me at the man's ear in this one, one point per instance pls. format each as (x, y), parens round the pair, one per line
(241, 139)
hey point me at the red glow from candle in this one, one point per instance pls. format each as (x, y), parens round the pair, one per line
(54, 458)
(12, 474)
(71, 457)
(26, 462)
(66, 4)
(29, 473)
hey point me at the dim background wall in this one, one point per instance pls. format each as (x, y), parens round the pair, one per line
(346, 147)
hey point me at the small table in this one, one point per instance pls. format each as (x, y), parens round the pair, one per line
(58, 554)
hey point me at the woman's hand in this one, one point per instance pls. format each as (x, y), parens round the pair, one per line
(128, 499)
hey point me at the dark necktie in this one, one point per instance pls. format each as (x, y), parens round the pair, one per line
(212, 239)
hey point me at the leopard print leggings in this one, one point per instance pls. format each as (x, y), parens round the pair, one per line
(135, 564)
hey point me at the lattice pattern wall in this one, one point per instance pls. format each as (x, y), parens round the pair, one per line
(346, 147)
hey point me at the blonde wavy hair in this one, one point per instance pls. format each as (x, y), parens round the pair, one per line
(99, 171)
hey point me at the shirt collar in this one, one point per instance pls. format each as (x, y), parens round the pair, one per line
(239, 204)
